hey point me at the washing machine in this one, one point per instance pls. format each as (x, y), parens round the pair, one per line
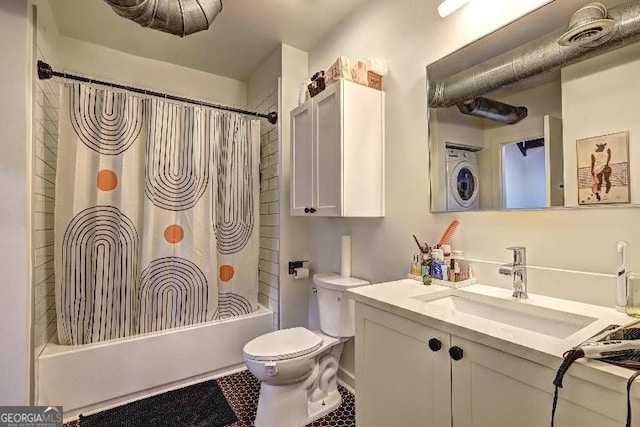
(463, 180)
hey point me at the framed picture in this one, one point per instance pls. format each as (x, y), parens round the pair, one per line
(603, 169)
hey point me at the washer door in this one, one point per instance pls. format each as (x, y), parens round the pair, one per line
(464, 184)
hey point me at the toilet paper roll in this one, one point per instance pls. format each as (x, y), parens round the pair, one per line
(300, 273)
(345, 262)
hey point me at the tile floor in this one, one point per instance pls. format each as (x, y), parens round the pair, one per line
(242, 390)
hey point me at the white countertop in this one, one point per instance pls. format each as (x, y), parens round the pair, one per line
(410, 299)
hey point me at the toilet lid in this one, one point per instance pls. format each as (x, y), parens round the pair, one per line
(282, 344)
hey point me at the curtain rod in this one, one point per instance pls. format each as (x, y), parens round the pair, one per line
(45, 72)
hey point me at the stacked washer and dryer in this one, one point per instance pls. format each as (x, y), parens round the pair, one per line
(463, 180)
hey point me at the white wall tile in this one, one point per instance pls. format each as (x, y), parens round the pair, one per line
(266, 231)
(269, 196)
(268, 255)
(45, 144)
(269, 267)
(269, 279)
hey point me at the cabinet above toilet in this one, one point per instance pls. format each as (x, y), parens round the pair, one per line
(337, 153)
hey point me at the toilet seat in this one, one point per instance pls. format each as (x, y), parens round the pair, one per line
(283, 344)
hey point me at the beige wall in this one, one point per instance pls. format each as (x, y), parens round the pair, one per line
(294, 230)
(409, 35)
(15, 170)
(103, 63)
(600, 96)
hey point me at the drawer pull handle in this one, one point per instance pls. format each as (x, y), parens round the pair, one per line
(435, 344)
(456, 353)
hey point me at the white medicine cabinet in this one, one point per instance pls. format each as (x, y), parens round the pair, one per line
(337, 153)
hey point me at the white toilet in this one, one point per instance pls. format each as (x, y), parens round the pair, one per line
(297, 366)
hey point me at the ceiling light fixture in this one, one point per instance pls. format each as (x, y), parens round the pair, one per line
(447, 7)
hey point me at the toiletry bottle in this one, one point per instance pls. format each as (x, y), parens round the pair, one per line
(436, 263)
(633, 294)
(455, 267)
(446, 251)
(426, 264)
(445, 270)
(456, 257)
(416, 269)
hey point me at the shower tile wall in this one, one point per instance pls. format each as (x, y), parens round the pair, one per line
(269, 268)
(45, 147)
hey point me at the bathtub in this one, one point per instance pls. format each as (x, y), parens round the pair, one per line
(91, 377)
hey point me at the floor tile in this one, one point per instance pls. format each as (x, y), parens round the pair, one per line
(242, 390)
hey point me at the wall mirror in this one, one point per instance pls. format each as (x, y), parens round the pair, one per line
(540, 113)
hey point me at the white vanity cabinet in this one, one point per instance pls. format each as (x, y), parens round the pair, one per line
(403, 380)
(399, 380)
(337, 153)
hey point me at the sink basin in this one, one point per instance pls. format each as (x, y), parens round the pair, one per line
(542, 320)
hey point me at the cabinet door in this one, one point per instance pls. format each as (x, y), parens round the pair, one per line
(495, 389)
(327, 127)
(400, 381)
(301, 159)
(363, 151)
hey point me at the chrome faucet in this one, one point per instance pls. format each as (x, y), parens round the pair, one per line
(518, 270)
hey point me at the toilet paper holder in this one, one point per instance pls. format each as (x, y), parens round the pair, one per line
(295, 264)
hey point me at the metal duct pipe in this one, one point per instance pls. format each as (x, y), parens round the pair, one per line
(494, 110)
(538, 56)
(178, 17)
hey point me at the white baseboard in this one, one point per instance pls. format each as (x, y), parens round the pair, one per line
(347, 380)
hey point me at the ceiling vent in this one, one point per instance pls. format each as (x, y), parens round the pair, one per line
(586, 25)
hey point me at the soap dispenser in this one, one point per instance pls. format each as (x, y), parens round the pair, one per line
(622, 301)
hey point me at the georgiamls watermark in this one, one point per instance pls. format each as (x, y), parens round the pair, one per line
(30, 416)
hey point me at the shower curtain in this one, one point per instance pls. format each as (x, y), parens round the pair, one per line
(155, 217)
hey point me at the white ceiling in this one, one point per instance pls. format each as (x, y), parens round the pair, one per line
(242, 35)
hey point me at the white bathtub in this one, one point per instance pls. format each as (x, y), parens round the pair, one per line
(96, 376)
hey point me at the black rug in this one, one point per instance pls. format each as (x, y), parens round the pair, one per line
(199, 405)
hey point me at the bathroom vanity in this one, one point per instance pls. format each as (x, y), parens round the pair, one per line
(436, 356)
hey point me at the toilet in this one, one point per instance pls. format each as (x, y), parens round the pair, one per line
(297, 367)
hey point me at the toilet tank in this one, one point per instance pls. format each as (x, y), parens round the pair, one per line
(335, 309)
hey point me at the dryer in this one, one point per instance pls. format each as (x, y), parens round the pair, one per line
(463, 180)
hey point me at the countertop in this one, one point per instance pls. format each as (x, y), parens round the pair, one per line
(410, 299)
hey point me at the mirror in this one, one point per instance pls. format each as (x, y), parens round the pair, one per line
(477, 162)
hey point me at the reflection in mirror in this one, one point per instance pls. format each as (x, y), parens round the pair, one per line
(506, 111)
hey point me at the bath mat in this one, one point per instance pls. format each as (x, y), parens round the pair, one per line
(198, 405)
